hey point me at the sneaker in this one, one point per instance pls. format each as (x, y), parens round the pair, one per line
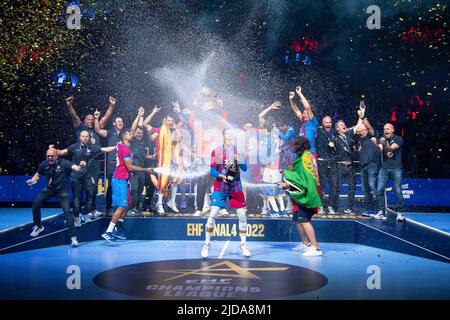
(321, 211)
(74, 242)
(108, 237)
(36, 231)
(172, 206)
(183, 204)
(312, 252)
(264, 212)
(160, 209)
(197, 213)
(206, 210)
(224, 212)
(331, 211)
(133, 212)
(77, 222)
(97, 214)
(379, 216)
(91, 215)
(274, 214)
(350, 212)
(368, 213)
(302, 247)
(85, 218)
(118, 233)
(244, 249)
(205, 251)
(400, 217)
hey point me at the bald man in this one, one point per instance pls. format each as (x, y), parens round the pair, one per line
(369, 159)
(57, 172)
(326, 163)
(391, 147)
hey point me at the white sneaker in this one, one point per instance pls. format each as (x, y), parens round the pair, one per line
(77, 222)
(350, 212)
(224, 212)
(302, 247)
(206, 210)
(321, 211)
(97, 214)
(400, 217)
(264, 212)
(197, 213)
(331, 211)
(86, 218)
(244, 249)
(205, 251)
(379, 216)
(36, 231)
(74, 242)
(312, 252)
(160, 208)
(173, 206)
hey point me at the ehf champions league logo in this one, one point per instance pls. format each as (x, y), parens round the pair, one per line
(210, 280)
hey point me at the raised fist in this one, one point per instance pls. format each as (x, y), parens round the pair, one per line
(291, 95)
(112, 100)
(298, 89)
(96, 114)
(276, 105)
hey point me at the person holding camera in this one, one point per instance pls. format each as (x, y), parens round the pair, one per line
(225, 166)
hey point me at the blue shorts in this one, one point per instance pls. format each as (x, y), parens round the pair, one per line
(219, 199)
(121, 193)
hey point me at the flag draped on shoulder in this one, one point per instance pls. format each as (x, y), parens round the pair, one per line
(303, 181)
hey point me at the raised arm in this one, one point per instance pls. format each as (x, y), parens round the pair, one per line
(261, 117)
(72, 113)
(305, 102)
(101, 132)
(362, 117)
(149, 118)
(294, 106)
(108, 113)
(138, 121)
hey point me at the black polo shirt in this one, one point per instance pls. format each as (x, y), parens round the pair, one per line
(57, 174)
(85, 153)
(393, 161)
(368, 153)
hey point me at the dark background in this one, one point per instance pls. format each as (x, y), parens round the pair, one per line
(154, 52)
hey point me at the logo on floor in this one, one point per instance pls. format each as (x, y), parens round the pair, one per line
(210, 279)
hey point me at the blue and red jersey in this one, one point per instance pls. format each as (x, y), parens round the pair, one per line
(220, 160)
(123, 152)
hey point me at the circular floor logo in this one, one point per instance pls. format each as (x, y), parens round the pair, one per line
(210, 279)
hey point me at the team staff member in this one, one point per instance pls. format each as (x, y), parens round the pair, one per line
(57, 172)
(83, 181)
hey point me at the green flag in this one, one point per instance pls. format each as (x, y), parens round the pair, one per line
(303, 181)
